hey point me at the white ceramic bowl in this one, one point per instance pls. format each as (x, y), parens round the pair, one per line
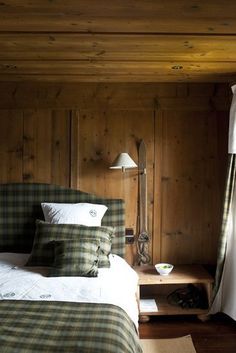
(164, 269)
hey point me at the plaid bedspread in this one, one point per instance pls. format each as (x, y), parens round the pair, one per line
(55, 327)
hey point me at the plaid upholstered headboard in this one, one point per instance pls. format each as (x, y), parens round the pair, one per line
(20, 206)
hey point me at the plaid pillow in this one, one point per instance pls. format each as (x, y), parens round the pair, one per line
(75, 258)
(43, 248)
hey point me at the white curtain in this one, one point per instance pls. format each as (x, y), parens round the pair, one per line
(225, 299)
(232, 123)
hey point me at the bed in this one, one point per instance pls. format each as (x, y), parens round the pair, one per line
(42, 311)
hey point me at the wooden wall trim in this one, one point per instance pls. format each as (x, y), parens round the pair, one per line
(131, 96)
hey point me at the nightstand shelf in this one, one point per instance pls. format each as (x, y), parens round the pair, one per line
(152, 285)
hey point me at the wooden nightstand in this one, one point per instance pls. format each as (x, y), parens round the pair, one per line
(152, 285)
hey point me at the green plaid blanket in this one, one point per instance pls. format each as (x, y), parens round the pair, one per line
(56, 327)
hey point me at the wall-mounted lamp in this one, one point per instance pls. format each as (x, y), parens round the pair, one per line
(123, 161)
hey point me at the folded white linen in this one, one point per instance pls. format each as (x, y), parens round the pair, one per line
(116, 285)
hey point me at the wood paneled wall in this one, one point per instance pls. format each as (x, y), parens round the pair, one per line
(35, 146)
(68, 134)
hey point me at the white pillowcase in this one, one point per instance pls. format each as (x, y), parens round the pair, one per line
(86, 214)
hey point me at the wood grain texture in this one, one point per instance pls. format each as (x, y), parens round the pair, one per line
(11, 145)
(117, 47)
(190, 172)
(116, 71)
(35, 146)
(157, 207)
(114, 96)
(69, 134)
(125, 41)
(104, 134)
(152, 285)
(181, 274)
(123, 16)
(216, 335)
(74, 149)
(61, 147)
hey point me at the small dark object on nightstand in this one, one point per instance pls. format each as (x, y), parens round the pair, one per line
(188, 297)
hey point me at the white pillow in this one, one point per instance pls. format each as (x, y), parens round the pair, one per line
(86, 214)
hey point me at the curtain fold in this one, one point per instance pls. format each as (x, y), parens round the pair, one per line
(225, 221)
(232, 123)
(224, 291)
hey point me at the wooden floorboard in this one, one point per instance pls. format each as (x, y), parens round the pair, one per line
(217, 335)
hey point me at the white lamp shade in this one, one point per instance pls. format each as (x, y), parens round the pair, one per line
(123, 161)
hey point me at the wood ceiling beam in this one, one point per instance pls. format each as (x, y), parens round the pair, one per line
(73, 67)
(126, 40)
(78, 24)
(135, 48)
(135, 16)
(130, 76)
(121, 7)
(154, 24)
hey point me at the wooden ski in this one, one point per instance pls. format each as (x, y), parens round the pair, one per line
(143, 237)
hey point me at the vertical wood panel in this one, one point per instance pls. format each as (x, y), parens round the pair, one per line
(60, 157)
(190, 188)
(222, 150)
(48, 140)
(11, 145)
(157, 207)
(104, 134)
(46, 146)
(37, 146)
(74, 150)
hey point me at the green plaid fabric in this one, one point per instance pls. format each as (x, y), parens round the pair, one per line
(46, 233)
(20, 206)
(75, 258)
(59, 327)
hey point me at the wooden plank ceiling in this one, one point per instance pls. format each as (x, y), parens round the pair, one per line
(115, 41)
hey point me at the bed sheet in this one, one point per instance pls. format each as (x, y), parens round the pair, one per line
(116, 285)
